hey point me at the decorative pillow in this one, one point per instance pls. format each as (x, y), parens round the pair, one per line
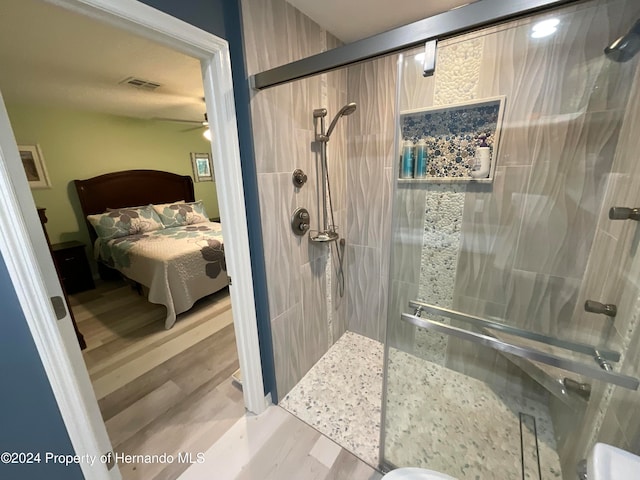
(179, 214)
(125, 221)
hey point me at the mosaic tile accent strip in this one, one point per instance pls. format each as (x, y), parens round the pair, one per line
(456, 80)
(452, 135)
(439, 262)
(458, 71)
(441, 241)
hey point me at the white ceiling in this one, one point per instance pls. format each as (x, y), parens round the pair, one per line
(53, 57)
(352, 20)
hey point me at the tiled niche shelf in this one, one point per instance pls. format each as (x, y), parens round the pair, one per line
(452, 134)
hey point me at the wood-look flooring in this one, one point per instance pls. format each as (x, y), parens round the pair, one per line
(277, 446)
(170, 391)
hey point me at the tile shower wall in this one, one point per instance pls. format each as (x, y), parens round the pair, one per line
(371, 130)
(527, 243)
(613, 273)
(306, 312)
(492, 272)
(525, 240)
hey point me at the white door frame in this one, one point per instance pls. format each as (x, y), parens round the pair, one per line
(24, 249)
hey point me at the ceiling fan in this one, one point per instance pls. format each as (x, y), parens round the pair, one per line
(198, 124)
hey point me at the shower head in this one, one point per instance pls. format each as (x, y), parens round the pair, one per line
(348, 109)
(625, 47)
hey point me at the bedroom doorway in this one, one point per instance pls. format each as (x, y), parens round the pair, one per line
(25, 250)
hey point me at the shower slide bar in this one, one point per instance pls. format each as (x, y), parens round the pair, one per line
(538, 337)
(525, 352)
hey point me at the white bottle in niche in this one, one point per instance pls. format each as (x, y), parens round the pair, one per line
(483, 159)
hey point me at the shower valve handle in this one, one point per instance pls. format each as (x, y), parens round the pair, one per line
(624, 213)
(299, 178)
(608, 309)
(300, 221)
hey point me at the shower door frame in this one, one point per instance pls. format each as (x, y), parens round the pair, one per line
(472, 16)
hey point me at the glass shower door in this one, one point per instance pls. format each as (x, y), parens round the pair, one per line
(493, 368)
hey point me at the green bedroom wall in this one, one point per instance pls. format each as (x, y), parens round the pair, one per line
(79, 144)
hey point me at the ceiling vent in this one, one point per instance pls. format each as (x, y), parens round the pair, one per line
(140, 83)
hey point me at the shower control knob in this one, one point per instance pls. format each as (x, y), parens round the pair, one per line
(299, 178)
(300, 221)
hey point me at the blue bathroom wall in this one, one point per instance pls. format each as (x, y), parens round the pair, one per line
(233, 23)
(205, 14)
(30, 420)
(224, 19)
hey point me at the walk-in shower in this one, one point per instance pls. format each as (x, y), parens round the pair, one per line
(504, 356)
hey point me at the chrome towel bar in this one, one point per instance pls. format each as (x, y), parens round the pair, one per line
(502, 327)
(525, 352)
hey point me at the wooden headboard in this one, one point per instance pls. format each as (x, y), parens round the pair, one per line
(131, 188)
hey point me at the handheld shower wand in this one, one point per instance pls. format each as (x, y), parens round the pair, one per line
(348, 109)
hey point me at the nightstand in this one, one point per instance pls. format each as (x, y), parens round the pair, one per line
(43, 219)
(73, 266)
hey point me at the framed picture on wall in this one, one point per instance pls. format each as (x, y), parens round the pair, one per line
(34, 167)
(202, 167)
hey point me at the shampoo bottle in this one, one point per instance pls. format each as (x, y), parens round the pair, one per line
(421, 159)
(406, 168)
(483, 159)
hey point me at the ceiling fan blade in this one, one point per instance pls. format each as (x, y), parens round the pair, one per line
(200, 123)
(193, 128)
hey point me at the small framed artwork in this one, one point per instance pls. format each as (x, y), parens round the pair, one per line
(34, 167)
(202, 167)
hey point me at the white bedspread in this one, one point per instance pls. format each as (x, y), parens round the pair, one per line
(179, 265)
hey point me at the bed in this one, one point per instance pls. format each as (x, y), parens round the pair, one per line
(179, 261)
